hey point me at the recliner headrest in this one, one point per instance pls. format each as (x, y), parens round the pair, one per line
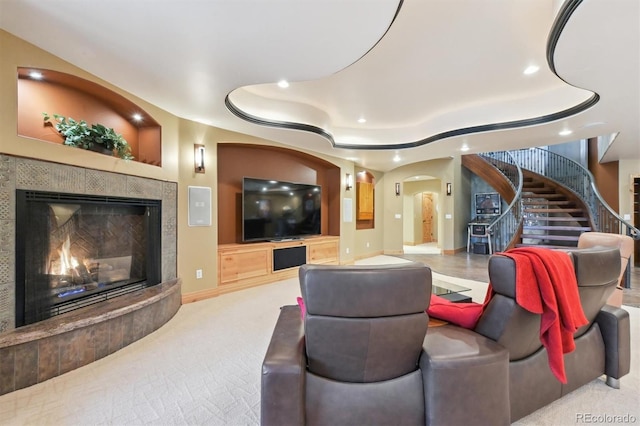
(365, 291)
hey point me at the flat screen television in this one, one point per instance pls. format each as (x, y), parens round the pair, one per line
(277, 210)
(488, 204)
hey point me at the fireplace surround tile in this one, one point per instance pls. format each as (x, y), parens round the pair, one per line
(45, 176)
(143, 188)
(116, 335)
(101, 340)
(43, 350)
(7, 206)
(48, 358)
(69, 351)
(7, 238)
(104, 183)
(7, 177)
(26, 364)
(129, 329)
(7, 306)
(7, 362)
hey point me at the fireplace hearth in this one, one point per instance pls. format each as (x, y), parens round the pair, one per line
(74, 250)
(37, 352)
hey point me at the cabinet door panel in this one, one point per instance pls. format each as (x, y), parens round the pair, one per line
(242, 265)
(323, 252)
(364, 206)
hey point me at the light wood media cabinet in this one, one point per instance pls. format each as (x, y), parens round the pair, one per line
(251, 264)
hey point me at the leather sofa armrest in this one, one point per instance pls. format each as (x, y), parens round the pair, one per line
(615, 328)
(283, 372)
(465, 377)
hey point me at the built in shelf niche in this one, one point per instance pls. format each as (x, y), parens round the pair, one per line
(365, 200)
(55, 92)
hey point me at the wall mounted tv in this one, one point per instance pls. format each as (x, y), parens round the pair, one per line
(488, 204)
(277, 210)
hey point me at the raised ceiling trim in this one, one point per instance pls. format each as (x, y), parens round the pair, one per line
(556, 30)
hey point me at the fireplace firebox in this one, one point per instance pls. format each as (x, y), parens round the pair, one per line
(75, 250)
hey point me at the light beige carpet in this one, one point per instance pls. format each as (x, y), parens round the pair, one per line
(203, 368)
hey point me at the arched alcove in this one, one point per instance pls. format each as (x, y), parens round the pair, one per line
(46, 91)
(236, 161)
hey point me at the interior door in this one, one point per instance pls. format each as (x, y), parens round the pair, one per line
(427, 217)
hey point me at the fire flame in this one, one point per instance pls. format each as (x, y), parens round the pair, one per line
(67, 262)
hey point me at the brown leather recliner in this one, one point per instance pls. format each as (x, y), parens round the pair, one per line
(623, 242)
(602, 346)
(355, 359)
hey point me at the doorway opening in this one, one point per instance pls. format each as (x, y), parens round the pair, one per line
(420, 207)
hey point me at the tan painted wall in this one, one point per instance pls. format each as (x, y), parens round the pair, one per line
(451, 231)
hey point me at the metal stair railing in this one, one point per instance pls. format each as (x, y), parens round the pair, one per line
(504, 229)
(580, 181)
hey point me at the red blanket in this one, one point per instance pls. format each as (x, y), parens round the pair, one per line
(546, 284)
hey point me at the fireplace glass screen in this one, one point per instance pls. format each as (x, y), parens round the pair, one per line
(76, 250)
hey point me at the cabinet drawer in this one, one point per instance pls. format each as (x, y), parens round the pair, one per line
(243, 265)
(323, 252)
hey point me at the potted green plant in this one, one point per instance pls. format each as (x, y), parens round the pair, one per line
(95, 137)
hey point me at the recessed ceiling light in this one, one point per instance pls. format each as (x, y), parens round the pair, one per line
(396, 158)
(36, 75)
(531, 69)
(565, 132)
(362, 120)
(464, 148)
(137, 117)
(283, 84)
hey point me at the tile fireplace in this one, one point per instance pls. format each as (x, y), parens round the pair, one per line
(73, 187)
(74, 250)
(79, 236)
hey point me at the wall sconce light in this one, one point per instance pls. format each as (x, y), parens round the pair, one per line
(448, 188)
(397, 188)
(198, 158)
(349, 181)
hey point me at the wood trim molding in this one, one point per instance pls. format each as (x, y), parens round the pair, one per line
(196, 296)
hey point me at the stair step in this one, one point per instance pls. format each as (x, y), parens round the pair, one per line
(547, 196)
(558, 219)
(537, 188)
(557, 228)
(546, 210)
(549, 202)
(541, 194)
(549, 246)
(550, 237)
(541, 190)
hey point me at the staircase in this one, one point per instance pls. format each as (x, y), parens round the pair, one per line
(551, 199)
(553, 217)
